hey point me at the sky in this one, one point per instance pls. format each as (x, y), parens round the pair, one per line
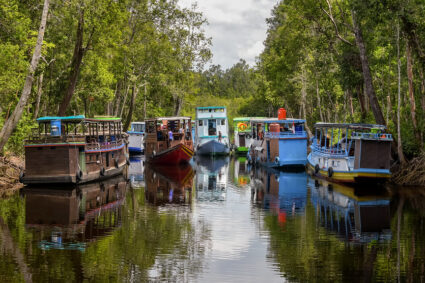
(237, 27)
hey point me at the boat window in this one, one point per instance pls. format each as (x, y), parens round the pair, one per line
(223, 122)
(200, 123)
(138, 127)
(212, 127)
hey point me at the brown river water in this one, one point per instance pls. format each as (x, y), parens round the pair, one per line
(217, 220)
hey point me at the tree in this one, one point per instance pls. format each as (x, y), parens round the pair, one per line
(13, 120)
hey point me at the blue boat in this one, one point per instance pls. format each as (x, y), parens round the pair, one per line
(278, 143)
(212, 131)
(136, 138)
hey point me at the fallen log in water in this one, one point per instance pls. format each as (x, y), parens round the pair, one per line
(10, 168)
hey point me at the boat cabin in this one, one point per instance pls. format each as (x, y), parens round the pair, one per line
(360, 150)
(74, 149)
(279, 143)
(136, 137)
(164, 134)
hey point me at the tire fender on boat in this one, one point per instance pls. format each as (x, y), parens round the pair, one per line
(102, 171)
(79, 174)
(276, 160)
(21, 176)
(316, 168)
(330, 172)
(116, 162)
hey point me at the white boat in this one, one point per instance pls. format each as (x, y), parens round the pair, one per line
(212, 131)
(136, 138)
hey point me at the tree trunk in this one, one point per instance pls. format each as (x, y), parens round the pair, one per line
(134, 91)
(303, 102)
(367, 77)
(411, 93)
(389, 106)
(178, 105)
(318, 100)
(117, 99)
(75, 66)
(12, 122)
(124, 101)
(350, 97)
(399, 144)
(361, 102)
(39, 92)
(144, 104)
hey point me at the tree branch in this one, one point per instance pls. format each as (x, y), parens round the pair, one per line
(330, 16)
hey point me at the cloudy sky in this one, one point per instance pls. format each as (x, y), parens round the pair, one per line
(237, 27)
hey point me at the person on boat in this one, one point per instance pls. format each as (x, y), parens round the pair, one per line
(181, 133)
(219, 136)
(170, 135)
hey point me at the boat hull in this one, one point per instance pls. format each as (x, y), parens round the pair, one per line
(212, 147)
(173, 156)
(353, 176)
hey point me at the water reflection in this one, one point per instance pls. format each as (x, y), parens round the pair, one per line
(351, 214)
(136, 171)
(279, 226)
(283, 193)
(241, 172)
(211, 178)
(169, 184)
(67, 218)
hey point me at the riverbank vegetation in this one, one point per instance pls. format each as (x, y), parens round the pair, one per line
(327, 60)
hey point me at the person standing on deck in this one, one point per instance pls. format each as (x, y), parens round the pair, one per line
(219, 136)
(170, 137)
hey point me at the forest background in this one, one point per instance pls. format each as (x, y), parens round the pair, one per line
(324, 60)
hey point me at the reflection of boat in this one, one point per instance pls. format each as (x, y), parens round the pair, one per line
(169, 184)
(136, 138)
(211, 178)
(68, 218)
(212, 131)
(135, 171)
(241, 172)
(356, 217)
(281, 192)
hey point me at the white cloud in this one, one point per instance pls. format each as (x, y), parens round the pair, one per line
(237, 27)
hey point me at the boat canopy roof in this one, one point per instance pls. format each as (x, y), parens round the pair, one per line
(103, 119)
(275, 120)
(211, 107)
(350, 126)
(170, 118)
(240, 119)
(46, 119)
(137, 123)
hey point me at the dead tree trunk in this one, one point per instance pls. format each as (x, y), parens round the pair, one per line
(399, 144)
(39, 93)
(77, 58)
(411, 93)
(134, 91)
(367, 77)
(13, 120)
(318, 100)
(361, 102)
(144, 104)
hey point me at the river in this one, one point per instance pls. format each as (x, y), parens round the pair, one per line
(217, 220)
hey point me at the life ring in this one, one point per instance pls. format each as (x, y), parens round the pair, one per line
(242, 126)
(79, 175)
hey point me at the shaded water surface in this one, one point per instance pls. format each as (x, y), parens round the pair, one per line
(217, 220)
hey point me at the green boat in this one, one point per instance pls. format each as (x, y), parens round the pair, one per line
(243, 134)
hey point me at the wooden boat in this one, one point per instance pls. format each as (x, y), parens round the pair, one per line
(243, 134)
(212, 131)
(74, 149)
(351, 152)
(136, 138)
(159, 149)
(279, 143)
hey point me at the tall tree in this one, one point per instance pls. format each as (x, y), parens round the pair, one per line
(13, 120)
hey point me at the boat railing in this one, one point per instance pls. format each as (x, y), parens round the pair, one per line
(39, 138)
(335, 151)
(372, 136)
(98, 146)
(280, 135)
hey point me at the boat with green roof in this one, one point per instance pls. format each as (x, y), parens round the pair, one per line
(243, 135)
(74, 149)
